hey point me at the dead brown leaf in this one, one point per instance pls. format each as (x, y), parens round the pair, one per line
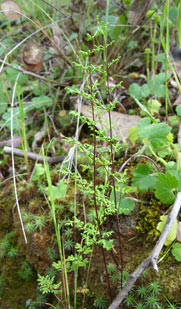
(32, 57)
(11, 9)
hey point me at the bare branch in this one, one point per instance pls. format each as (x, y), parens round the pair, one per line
(33, 156)
(152, 258)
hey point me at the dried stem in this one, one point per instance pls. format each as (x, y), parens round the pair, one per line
(94, 185)
(152, 258)
(113, 169)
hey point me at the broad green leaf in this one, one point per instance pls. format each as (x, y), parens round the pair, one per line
(145, 90)
(141, 178)
(3, 104)
(59, 191)
(38, 88)
(107, 244)
(156, 133)
(16, 119)
(12, 75)
(38, 171)
(144, 122)
(164, 184)
(135, 91)
(161, 57)
(154, 106)
(171, 166)
(163, 152)
(133, 134)
(160, 78)
(145, 110)
(116, 31)
(126, 206)
(117, 196)
(157, 86)
(173, 231)
(41, 101)
(178, 110)
(172, 169)
(176, 251)
(173, 120)
(173, 15)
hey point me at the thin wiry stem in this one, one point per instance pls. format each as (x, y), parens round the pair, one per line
(94, 187)
(113, 169)
(13, 165)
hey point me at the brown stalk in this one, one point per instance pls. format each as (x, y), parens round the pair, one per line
(94, 185)
(113, 169)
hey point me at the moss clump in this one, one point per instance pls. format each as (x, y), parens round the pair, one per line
(149, 215)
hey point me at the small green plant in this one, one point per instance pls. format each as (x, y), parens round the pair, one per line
(2, 284)
(33, 222)
(100, 302)
(152, 301)
(107, 194)
(7, 247)
(129, 300)
(47, 285)
(26, 272)
(146, 296)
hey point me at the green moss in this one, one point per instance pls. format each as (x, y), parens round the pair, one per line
(149, 215)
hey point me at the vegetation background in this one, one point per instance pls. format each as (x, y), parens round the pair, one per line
(90, 147)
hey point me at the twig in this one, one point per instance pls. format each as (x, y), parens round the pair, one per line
(152, 258)
(33, 156)
(32, 74)
(137, 156)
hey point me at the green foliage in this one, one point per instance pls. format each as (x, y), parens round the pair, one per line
(173, 232)
(142, 291)
(33, 222)
(2, 285)
(51, 254)
(40, 102)
(152, 302)
(111, 268)
(12, 252)
(100, 302)
(38, 171)
(26, 272)
(145, 297)
(129, 300)
(164, 184)
(156, 134)
(153, 106)
(154, 287)
(58, 191)
(126, 206)
(69, 244)
(178, 110)
(47, 285)
(7, 247)
(141, 178)
(154, 87)
(176, 251)
(157, 141)
(161, 184)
